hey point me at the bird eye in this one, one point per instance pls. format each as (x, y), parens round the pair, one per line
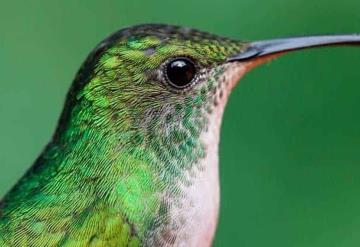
(180, 72)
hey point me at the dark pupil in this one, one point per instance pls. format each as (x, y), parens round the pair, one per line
(180, 72)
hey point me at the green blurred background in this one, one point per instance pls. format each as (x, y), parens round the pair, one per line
(290, 161)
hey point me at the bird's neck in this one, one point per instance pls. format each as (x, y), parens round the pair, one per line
(157, 180)
(138, 171)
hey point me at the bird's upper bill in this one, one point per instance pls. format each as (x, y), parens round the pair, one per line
(259, 52)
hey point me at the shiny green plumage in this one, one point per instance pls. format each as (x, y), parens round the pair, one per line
(123, 142)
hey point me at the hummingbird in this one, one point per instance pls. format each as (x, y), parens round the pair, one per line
(134, 158)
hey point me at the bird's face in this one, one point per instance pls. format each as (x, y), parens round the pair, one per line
(159, 75)
(160, 79)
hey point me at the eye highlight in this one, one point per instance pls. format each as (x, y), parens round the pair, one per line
(180, 72)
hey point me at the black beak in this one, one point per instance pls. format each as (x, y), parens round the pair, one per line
(276, 46)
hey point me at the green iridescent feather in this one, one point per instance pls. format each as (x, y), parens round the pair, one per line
(124, 138)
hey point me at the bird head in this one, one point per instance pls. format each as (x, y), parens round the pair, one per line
(162, 86)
